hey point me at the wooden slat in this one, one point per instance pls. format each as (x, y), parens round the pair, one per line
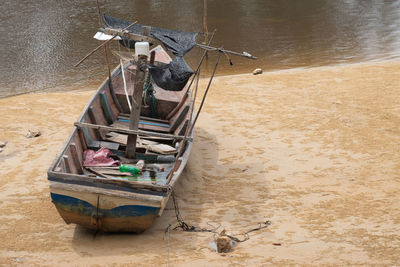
(143, 125)
(182, 127)
(76, 158)
(93, 119)
(71, 161)
(79, 147)
(106, 108)
(109, 145)
(82, 139)
(90, 133)
(60, 177)
(127, 131)
(126, 117)
(113, 107)
(178, 107)
(177, 119)
(99, 111)
(92, 116)
(66, 164)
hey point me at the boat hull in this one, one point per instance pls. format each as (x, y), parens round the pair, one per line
(106, 213)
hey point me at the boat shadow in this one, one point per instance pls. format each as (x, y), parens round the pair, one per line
(200, 185)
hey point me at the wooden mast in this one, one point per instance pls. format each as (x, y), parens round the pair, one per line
(141, 68)
(108, 63)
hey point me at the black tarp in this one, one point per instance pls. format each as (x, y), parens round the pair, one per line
(172, 76)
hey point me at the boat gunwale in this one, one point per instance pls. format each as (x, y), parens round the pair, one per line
(105, 191)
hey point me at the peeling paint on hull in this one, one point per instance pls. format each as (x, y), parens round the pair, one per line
(126, 218)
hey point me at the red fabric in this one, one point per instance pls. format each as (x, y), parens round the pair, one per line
(99, 158)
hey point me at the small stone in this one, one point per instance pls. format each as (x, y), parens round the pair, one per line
(257, 71)
(223, 243)
(34, 133)
(3, 143)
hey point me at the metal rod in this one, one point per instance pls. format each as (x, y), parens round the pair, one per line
(100, 46)
(202, 59)
(205, 93)
(210, 48)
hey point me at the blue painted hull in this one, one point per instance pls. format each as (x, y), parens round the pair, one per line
(126, 218)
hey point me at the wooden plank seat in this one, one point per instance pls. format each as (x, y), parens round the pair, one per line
(153, 124)
(123, 123)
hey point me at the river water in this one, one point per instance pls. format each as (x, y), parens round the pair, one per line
(42, 40)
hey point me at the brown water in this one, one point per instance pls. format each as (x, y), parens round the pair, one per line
(42, 40)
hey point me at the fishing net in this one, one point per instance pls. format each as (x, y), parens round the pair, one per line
(172, 76)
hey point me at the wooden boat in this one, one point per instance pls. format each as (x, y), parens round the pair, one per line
(100, 198)
(155, 127)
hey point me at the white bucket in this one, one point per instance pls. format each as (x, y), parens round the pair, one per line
(141, 48)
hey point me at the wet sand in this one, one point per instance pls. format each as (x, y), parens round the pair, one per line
(314, 151)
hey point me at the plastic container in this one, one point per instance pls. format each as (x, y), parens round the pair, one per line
(131, 169)
(140, 164)
(142, 48)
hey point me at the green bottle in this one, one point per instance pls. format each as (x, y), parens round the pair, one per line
(131, 169)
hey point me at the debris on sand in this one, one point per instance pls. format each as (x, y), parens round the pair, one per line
(257, 71)
(224, 243)
(2, 144)
(34, 133)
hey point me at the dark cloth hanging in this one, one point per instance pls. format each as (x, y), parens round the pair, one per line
(172, 76)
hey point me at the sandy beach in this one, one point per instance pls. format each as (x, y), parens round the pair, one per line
(315, 151)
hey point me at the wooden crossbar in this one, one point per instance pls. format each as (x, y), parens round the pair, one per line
(127, 131)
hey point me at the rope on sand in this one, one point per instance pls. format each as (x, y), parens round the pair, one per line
(191, 228)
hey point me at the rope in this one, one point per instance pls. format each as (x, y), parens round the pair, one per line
(191, 228)
(148, 92)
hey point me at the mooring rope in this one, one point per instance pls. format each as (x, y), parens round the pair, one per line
(191, 228)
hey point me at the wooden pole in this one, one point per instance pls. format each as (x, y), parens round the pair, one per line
(205, 93)
(114, 97)
(205, 28)
(97, 48)
(152, 57)
(105, 44)
(141, 68)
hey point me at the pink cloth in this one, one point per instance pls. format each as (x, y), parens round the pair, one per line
(99, 158)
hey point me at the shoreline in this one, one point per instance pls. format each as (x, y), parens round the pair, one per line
(91, 83)
(313, 150)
